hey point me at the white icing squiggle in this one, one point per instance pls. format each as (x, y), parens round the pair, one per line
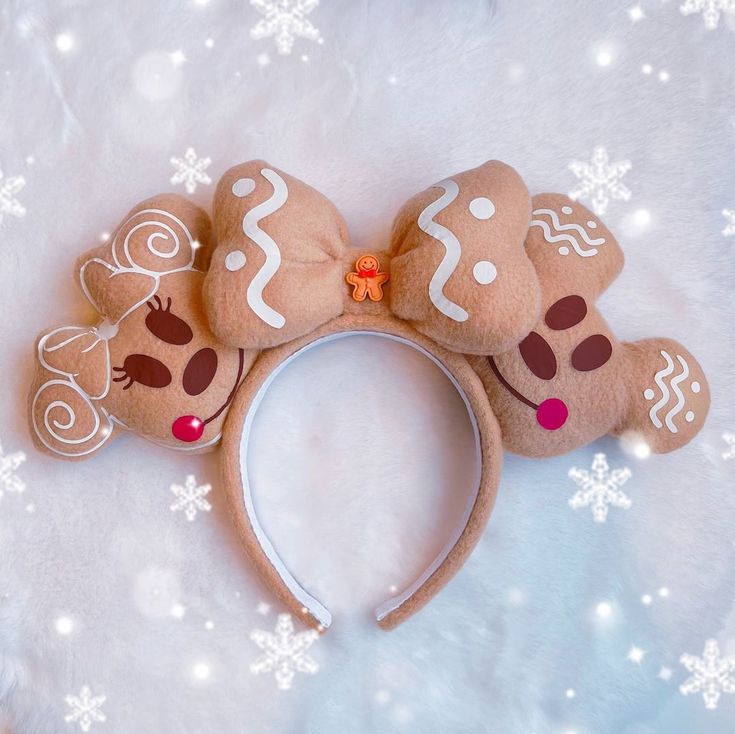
(659, 379)
(251, 228)
(677, 391)
(452, 251)
(665, 394)
(562, 233)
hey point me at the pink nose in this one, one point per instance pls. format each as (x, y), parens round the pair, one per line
(552, 414)
(187, 428)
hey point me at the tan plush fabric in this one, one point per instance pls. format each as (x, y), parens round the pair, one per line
(276, 273)
(460, 273)
(571, 363)
(152, 359)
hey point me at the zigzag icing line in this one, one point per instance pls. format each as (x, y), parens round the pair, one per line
(452, 251)
(563, 228)
(571, 226)
(250, 226)
(675, 387)
(665, 395)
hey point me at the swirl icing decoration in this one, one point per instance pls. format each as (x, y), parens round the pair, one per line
(60, 415)
(668, 389)
(566, 232)
(147, 245)
(452, 251)
(251, 228)
(163, 243)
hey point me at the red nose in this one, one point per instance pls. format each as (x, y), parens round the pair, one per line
(187, 428)
(552, 414)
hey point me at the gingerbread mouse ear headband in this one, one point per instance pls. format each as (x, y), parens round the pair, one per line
(190, 334)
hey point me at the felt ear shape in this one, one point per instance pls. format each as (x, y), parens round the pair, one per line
(459, 270)
(162, 235)
(572, 250)
(276, 273)
(668, 396)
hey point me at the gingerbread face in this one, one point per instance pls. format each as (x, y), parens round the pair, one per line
(165, 357)
(152, 365)
(367, 264)
(570, 380)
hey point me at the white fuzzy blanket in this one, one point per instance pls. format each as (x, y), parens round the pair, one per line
(101, 585)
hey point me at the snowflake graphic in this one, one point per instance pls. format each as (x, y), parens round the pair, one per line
(190, 170)
(710, 674)
(284, 652)
(85, 709)
(191, 497)
(9, 187)
(285, 20)
(710, 9)
(729, 438)
(9, 480)
(600, 180)
(729, 214)
(600, 488)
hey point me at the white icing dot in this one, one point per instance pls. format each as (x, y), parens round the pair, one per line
(484, 272)
(482, 208)
(243, 186)
(566, 210)
(592, 225)
(696, 387)
(689, 416)
(235, 260)
(648, 394)
(563, 250)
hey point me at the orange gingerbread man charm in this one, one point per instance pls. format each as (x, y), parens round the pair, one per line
(367, 281)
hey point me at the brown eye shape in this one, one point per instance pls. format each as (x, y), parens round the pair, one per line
(146, 370)
(538, 356)
(591, 353)
(167, 326)
(566, 312)
(200, 371)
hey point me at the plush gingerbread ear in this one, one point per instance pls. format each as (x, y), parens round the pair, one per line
(668, 394)
(276, 273)
(72, 375)
(162, 235)
(572, 250)
(459, 271)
